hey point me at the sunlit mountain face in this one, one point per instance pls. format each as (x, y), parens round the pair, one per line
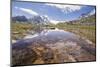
(52, 12)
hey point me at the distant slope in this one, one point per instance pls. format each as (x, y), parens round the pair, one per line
(19, 18)
(34, 20)
(88, 20)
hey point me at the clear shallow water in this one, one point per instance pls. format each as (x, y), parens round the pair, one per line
(51, 37)
(66, 46)
(48, 37)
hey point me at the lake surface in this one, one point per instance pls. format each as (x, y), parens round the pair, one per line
(53, 35)
(49, 36)
(66, 46)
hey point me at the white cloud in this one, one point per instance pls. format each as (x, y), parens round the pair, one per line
(27, 10)
(92, 12)
(66, 8)
(51, 20)
(54, 21)
(46, 16)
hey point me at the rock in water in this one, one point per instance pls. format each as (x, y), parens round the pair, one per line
(23, 56)
(48, 56)
(52, 46)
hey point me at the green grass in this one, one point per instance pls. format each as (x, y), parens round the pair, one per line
(82, 30)
(21, 29)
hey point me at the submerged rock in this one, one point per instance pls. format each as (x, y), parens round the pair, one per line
(52, 46)
(48, 56)
(23, 56)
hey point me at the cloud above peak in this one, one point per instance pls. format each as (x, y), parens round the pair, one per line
(29, 11)
(92, 12)
(66, 8)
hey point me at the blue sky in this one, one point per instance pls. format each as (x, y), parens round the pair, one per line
(57, 12)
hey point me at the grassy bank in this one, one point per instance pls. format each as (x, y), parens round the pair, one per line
(18, 30)
(87, 31)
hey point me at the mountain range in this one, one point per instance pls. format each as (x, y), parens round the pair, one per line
(37, 19)
(34, 19)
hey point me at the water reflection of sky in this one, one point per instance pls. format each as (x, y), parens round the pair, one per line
(55, 34)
